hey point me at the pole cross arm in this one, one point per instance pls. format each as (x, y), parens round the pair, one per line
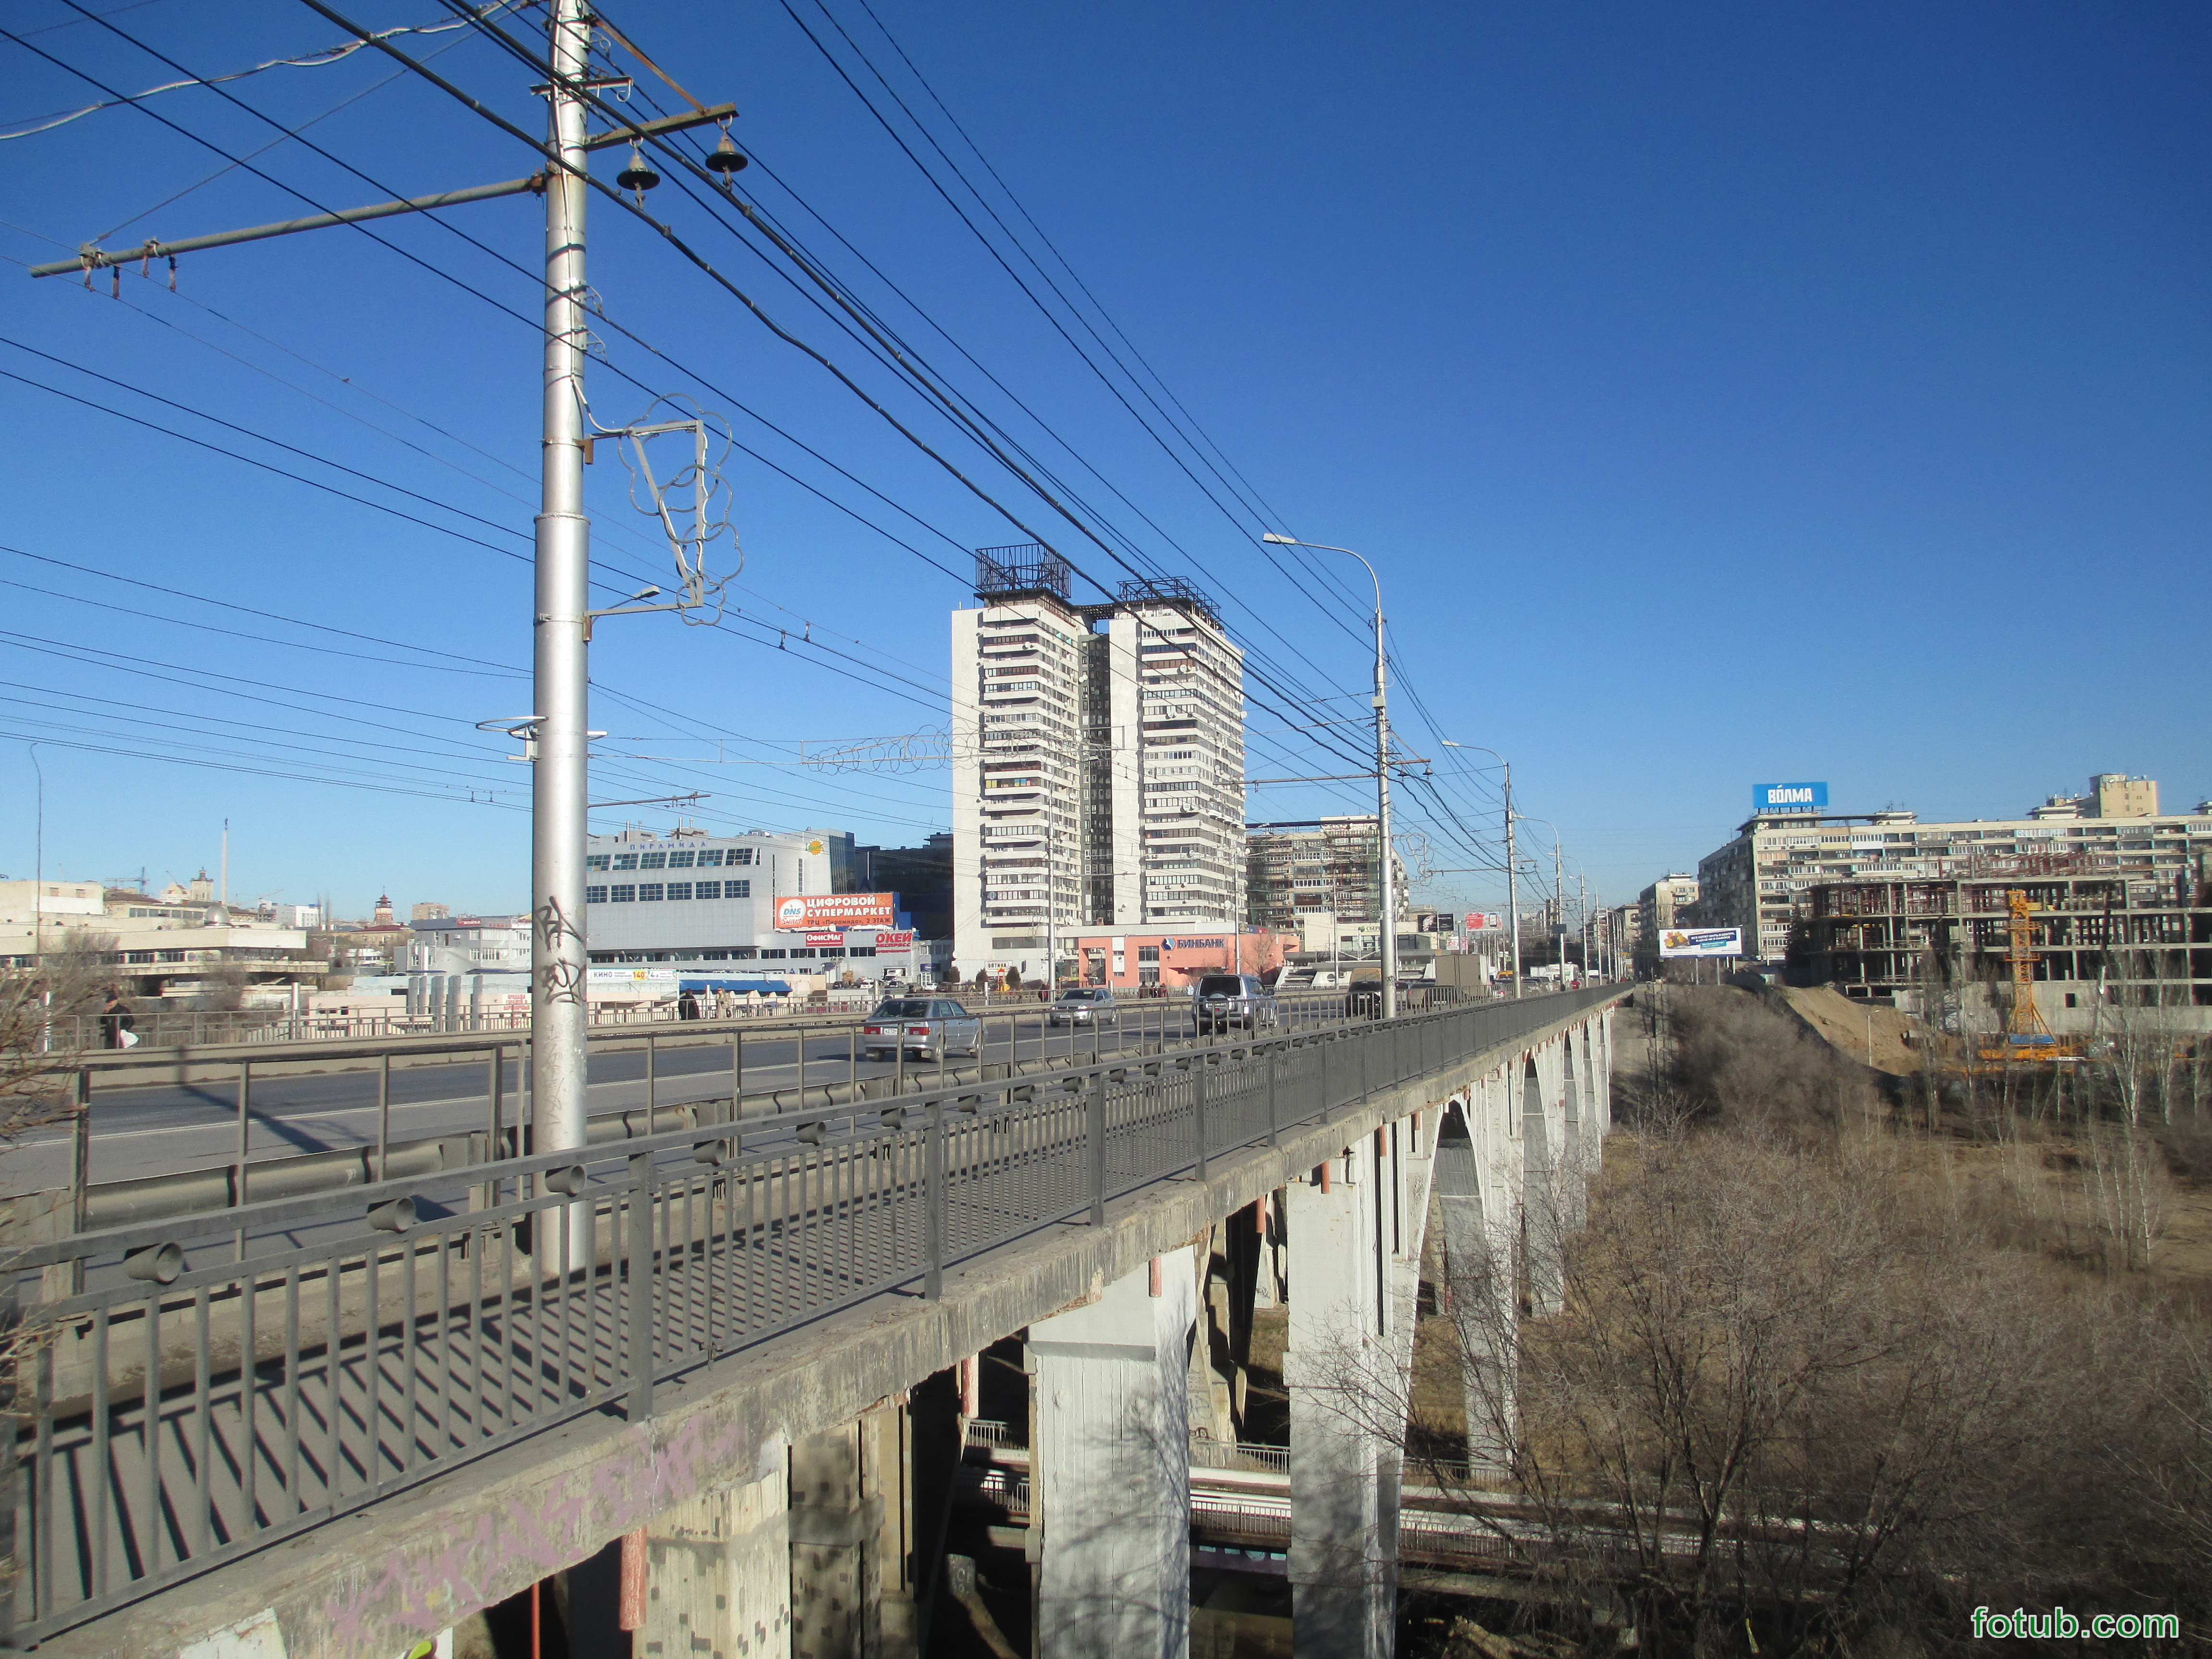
(90, 258)
(93, 259)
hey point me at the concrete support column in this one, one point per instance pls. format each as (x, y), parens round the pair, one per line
(1343, 1562)
(1593, 1129)
(1268, 1283)
(1109, 1476)
(1574, 1203)
(718, 1573)
(1605, 1072)
(1479, 1287)
(1543, 1228)
(852, 1539)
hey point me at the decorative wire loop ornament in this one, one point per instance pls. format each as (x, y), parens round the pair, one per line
(687, 492)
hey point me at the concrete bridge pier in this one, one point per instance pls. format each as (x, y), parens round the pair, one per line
(1109, 1476)
(851, 1523)
(1344, 1578)
(1573, 1182)
(717, 1576)
(1542, 1237)
(1605, 1072)
(1476, 1210)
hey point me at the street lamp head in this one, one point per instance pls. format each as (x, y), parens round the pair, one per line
(1278, 540)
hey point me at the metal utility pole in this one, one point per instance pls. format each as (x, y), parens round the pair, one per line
(554, 734)
(1512, 882)
(1559, 909)
(1052, 911)
(560, 744)
(1382, 776)
(1582, 903)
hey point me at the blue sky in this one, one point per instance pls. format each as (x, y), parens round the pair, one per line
(1727, 394)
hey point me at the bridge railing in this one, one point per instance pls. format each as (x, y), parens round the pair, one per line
(215, 1382)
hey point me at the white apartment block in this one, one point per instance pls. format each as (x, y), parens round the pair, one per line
(1099, 765)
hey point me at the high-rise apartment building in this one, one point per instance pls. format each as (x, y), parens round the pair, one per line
(1099, 765)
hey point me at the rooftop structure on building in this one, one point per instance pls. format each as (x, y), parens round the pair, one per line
(1760, 880)
(1099, 765)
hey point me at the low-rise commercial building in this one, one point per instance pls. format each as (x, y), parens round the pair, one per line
(148, 946)
(1174, 960)
(725, 901)
(470, 944)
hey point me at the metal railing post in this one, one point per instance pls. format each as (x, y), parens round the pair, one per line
(245, 1109)
(1198, 1069)
(384, 1112)
(737, 1073)
(1096, 1127)
(642, 1282)
(932, 1199)
(80, 1174)
(1274, 1113)
(652, 1082)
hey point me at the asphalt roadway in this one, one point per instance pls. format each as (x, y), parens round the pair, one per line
(166, 1128)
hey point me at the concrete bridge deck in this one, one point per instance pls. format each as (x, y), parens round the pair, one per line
(495, 1423)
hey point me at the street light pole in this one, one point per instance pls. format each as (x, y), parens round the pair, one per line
(560, 744)
(1382, 777)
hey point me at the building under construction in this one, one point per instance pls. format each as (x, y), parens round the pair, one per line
(2134, 934)
(1318, 878)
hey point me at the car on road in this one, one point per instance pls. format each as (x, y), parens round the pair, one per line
(928, 1028)
(1083, 1005)
(1224, 1000)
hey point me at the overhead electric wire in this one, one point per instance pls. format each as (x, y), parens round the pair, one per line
(248, 610)
(472, 104)
(536, 325)
(259, 639)
(255, 771)
(1265, 550)
(668, 232)
(266, 467)
(321, 60)
(387, 767)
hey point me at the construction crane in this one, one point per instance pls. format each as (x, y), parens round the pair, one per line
(2027, 1036)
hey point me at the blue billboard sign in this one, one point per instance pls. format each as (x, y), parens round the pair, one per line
(1789, 797)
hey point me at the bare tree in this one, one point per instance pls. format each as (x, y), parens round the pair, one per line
(1797, 1384)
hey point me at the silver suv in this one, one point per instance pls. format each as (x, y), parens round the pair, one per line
(1223, 1000)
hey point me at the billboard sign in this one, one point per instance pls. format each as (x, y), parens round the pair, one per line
(809, 912)
(821, 939)
(1482, 921)
(1701, 942)
(1789, 797)
(901, 941)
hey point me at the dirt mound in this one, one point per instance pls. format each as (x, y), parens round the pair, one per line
(1881, 1037)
